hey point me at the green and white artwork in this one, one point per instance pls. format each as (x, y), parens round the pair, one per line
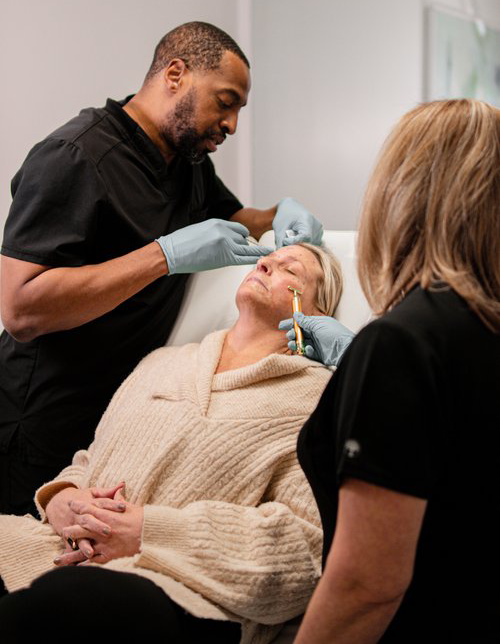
(463, 58)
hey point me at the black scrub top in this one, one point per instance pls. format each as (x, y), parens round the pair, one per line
(95, 189)
(415, 407)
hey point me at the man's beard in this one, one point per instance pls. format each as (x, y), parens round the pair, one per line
(180, 133)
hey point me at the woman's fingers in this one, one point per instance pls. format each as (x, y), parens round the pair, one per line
(98, 558)
(70, 558)
(120, 498)
(85, 546)
(115, 505)
(72, 533)
(90, 530)
(86, 515)
(108, 492)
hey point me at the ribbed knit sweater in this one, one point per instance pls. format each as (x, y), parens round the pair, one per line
(231, 529)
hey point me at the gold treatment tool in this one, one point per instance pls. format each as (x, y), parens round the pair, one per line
(297, 308)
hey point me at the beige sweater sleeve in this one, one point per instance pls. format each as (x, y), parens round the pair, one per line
(261, 563)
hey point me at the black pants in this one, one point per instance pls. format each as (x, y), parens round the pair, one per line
(99, 605)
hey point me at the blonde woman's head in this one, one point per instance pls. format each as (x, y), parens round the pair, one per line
(431, 209)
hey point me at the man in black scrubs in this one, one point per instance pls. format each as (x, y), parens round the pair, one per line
(103, 210)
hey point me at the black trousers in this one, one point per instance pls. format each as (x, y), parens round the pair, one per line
(98, 605)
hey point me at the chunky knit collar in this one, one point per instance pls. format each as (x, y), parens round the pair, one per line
(272, 366)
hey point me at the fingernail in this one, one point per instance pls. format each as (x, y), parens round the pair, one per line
(106, 531)
(57, 560)
(121, 506)
(87, 553)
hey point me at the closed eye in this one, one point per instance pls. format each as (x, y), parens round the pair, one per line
(225, 106)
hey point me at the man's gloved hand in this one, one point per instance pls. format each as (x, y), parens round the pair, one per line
(325, 338)
(210, 244)
(291, 215)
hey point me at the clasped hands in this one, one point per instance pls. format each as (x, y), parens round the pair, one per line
(103, 524)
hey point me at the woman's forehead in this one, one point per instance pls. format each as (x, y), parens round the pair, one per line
(300, 254)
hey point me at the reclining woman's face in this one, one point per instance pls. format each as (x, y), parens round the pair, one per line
(265, 290)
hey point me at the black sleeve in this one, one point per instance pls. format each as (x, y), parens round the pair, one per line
(56, 194)
(387, 411)
(221, 201)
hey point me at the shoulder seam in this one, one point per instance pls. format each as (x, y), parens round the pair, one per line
(74, 141)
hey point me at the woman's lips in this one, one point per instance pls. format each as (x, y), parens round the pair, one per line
(256, 279)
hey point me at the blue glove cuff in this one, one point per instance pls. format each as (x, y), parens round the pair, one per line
(166, 246)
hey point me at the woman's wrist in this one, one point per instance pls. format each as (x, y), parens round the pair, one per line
(56, 504)
(46, 493)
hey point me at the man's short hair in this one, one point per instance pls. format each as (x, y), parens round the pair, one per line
(199, 44)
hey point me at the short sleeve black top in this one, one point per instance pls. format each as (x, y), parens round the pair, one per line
(95, 189)
(415, 407)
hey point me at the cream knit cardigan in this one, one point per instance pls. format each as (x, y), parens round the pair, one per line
(231, 529)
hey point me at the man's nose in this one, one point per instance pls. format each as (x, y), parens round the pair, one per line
(230, 123)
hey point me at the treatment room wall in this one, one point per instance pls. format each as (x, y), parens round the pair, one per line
(330, 78)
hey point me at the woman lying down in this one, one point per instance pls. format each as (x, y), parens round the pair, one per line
(215, 534)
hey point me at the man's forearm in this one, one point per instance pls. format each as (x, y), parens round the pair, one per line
(58, 299)
(341, 614)
(257, 221)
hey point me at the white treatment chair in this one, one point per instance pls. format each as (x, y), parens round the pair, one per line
(209, 305)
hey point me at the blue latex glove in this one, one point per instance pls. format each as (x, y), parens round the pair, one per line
(291, 215)
(325, 338)
(210, 244)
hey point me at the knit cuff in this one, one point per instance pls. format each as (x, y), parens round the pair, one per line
(166, 542)
(165, 527)
(45, 493)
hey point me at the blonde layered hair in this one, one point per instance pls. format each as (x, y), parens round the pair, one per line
(330, 286)
(431, 209)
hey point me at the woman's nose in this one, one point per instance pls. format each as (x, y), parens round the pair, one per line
(264, 264)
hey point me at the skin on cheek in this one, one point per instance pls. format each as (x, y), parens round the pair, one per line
(286, 297)
(307, 291)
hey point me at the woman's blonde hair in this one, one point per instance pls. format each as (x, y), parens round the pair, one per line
(330, 287)
(431, 209)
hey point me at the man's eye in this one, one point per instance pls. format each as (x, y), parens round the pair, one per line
(290, 271)
(224, 105)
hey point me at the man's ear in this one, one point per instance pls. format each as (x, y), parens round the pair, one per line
(175, 74)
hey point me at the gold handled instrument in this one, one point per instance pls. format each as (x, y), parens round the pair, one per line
(297, 308)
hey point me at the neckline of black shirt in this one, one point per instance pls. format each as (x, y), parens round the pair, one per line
(140, 138)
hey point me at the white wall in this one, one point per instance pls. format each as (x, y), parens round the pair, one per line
(331, 77)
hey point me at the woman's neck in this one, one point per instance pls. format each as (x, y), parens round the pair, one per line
(248, 341)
